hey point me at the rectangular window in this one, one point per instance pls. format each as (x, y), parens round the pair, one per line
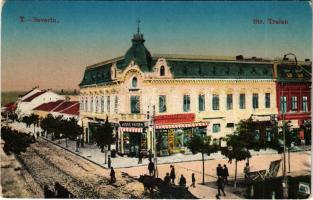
(162, 103)
(135, 104)
(81, 104)
(201, 102)
(186, 105)
(294, 103)
(216, 128)
(108, 104)
(116, 104)
(267, 100)
(102, 104)
(215, 102)
(283, 104)
(86, 104)
(305, 104)
(96, 104)
(242, 101)
(229, 101)
(91, 105)
(255, 101)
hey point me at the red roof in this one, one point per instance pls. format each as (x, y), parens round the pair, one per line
(73, 110)
(29, 99)
(10, 106)
(64, 105)
(48, 106)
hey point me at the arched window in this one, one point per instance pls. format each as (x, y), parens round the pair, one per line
(134, 82)
(162, 71)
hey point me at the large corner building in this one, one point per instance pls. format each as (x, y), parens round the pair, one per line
(186, 94)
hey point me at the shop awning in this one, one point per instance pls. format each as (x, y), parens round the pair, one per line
(131, 129)
(195, 124)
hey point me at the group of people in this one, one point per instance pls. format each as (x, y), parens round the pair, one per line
(222, 175)
(170, 178)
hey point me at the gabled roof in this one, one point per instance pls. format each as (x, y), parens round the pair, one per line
(72, 110)
(29, 99)
(22, 95)
(48, 106)
(64, 105)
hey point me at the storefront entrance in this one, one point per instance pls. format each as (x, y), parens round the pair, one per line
(131, 143)
(175, 140)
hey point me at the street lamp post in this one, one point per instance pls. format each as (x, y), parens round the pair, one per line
(152, 123)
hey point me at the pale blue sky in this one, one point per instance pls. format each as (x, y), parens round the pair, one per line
(46, 54)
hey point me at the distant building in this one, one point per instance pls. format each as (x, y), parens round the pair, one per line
(67, 109)
(33, 99)
(294, 81)
(189, 94)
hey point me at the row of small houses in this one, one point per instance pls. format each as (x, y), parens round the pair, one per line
(43, 102)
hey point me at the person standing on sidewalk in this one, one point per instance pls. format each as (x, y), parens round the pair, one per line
(246, 170)
(172, 174)
(139, 157)
(151, 168)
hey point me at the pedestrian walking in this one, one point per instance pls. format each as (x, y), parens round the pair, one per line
(109, 161)
(139, 157)
(219, 170)
(172, 174)
(112, 175)
(220, 186)
(225, 174)
(151, 168)
(193, 180)
(167, 179)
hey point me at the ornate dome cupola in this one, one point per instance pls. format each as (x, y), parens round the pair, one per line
(138, 52)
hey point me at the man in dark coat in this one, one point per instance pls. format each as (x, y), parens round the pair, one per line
(225, 174)
(139, 157)
(172, 174)
(151, 168)
(167, 179)
(219, 170)
(182, 181)
(220, 186)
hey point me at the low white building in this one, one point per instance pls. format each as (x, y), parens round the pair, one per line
(28, 102)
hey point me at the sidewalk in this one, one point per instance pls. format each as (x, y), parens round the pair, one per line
(93, 153)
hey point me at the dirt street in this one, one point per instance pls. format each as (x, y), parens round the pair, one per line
(48, 163)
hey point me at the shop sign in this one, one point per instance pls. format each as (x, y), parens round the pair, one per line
(177, 118)
(132, 124)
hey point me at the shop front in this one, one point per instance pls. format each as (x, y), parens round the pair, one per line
(173, 132)
(133, 138)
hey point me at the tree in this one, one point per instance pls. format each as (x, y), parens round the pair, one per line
(236, 149)
(34, 119)
(103, 135)
(70, 129)
(202, 144)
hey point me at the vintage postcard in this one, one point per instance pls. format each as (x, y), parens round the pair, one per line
(156, 99)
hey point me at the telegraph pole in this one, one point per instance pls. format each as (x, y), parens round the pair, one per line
(154, 143)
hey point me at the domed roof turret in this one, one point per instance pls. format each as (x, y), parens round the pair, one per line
(138, 53)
